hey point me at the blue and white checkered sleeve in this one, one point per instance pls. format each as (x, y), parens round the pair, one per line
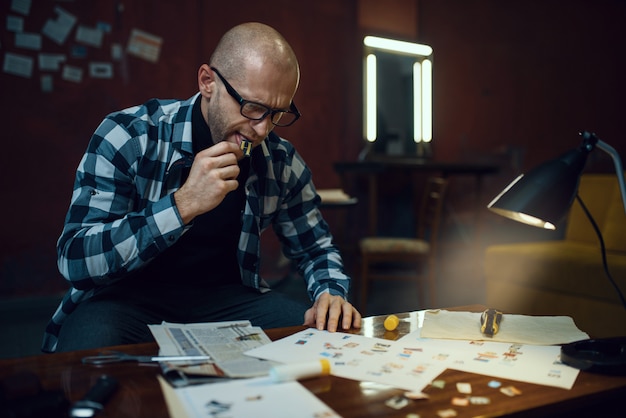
(306, 235)
(107, 232)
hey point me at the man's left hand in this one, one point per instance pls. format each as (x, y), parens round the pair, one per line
(328, 309)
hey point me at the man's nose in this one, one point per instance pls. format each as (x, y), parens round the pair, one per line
(262, 127)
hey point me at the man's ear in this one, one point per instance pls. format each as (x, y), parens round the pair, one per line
(206, 80)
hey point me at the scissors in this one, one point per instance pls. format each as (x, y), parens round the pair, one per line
(108, 357)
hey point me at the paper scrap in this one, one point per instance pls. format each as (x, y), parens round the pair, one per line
(59, 29)
(50, 62)
(524, 329)
(21, 6)
(16, 64)
(28, 40)
(116, 52)
(239, 398)
(71, 73)
(100, 70)
(144, 45)
(464, 387)
(89, 36)
(46, 83)
(14, 24)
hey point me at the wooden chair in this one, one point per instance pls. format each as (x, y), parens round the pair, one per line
(392, 258)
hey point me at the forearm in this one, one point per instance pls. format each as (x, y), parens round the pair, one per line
(92, 252)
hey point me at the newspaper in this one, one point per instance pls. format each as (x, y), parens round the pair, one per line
(224, 342)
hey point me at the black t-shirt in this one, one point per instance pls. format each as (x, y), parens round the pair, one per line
(205, 256)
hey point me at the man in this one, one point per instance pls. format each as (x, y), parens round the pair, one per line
(166, 213)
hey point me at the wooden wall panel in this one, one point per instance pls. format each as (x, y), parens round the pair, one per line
(525, 74)
(45, 134)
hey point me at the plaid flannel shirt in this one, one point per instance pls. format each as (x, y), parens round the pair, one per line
(123, 214)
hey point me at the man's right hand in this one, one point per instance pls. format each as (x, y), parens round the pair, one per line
(213, 174)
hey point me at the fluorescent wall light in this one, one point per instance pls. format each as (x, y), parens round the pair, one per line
(398, 46)
(422, 86)
(370, 101)
(427, 99)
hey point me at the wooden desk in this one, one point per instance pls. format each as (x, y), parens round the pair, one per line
(379, 166)
(140, 395)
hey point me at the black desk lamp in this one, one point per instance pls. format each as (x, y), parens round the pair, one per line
(542, 198)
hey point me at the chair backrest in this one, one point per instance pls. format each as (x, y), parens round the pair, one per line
(431, 209)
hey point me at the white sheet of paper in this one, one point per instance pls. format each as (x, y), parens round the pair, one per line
(412, 362)
(524, 329)
(356, 357)
(539, 364)
(244, 398)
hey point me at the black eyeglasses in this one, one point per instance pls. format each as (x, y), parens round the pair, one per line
(258, 111)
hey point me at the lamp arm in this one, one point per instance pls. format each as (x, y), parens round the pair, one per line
(618, 167)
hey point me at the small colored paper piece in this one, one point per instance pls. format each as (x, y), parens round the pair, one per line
(511, 391)
(415, 396)
(439, 384)
(465, 388)
(446, 413)
(397, 402)
(494, 384)
(456, 401)
(479, 400)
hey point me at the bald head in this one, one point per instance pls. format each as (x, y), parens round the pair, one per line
(254, 45)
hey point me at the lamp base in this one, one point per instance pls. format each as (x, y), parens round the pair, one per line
(602, 355)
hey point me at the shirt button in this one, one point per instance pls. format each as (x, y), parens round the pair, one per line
(171, 238)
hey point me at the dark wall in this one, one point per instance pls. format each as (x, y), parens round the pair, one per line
(509, 75)
(527, 74)
(515, 82)
(45, 134)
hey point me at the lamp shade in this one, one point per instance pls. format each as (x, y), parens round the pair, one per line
(543, 196)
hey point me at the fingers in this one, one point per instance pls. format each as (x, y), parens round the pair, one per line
(213, 174)
(328, 310)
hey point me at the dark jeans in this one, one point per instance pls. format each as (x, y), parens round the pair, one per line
(120, 315)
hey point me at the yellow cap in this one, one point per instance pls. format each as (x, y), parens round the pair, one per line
(325, 367)
(391, 322)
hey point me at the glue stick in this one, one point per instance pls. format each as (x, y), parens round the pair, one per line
(297, 371)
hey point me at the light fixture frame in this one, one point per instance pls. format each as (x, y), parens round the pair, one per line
(422, 85)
